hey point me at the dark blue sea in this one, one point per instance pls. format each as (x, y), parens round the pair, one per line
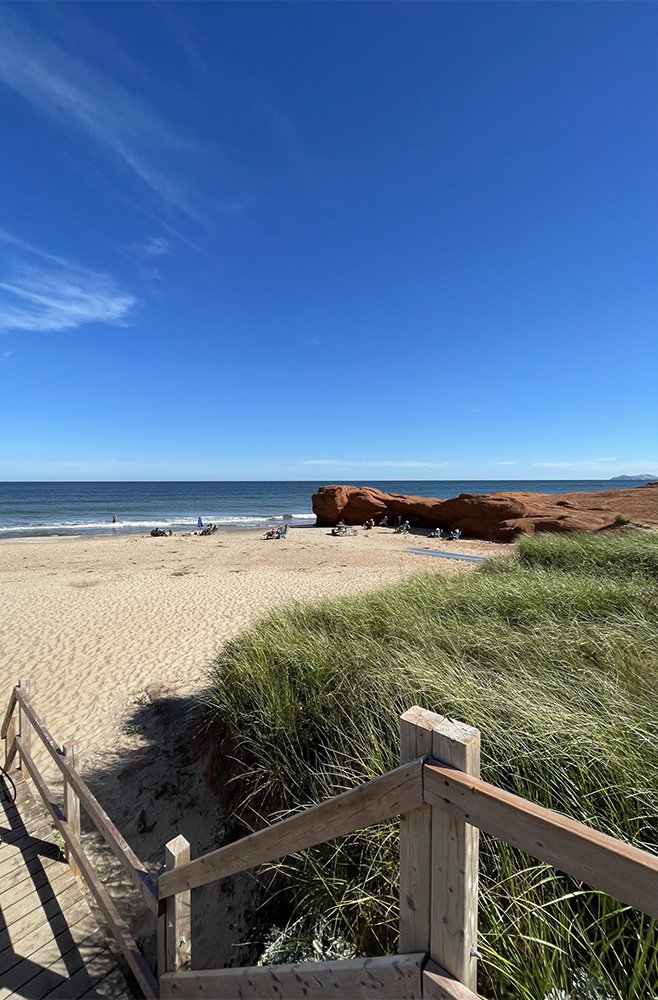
(30, 509)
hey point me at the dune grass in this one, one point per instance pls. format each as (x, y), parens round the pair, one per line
(553, 655)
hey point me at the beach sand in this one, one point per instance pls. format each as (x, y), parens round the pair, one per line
(92, 621)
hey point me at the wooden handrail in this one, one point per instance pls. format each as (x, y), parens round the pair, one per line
(117, 844)
(8, 714)
(396, 792)
(627, 873)
(117, 924)
(390, 978)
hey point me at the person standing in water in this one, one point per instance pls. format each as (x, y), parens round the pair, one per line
(114, 519)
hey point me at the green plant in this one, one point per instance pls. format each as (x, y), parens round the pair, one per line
(553, 655)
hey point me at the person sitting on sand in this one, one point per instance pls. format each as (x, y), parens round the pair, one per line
(158, 533)
(384, 521)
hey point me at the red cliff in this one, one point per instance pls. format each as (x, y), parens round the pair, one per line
(496, 516)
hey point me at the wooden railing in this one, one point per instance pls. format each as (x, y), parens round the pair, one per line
(442, 804)
(17, 733)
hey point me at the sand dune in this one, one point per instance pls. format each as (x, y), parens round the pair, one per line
(93, 620)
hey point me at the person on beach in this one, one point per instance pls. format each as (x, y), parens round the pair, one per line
(114, 519)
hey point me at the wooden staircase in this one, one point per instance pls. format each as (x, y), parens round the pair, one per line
(51, 946)
(50, 943)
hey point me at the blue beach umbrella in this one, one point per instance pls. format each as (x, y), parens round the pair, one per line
(199, 523)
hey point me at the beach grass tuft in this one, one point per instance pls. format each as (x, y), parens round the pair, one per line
(553, 655)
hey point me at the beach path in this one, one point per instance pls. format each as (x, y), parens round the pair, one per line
(50, 942)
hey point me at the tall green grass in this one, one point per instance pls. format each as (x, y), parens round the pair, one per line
(553, 655)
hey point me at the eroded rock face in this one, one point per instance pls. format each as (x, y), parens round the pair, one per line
(495, 516)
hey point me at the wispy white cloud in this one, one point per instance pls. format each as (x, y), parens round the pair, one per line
(511, 461)
(374, 464)
(5, 355)
(42, 292)
(580, 463)
(67, 89)
(154, 246)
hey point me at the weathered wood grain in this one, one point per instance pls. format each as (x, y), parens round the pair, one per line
(621, 870)
(396, 977)
(439, 985)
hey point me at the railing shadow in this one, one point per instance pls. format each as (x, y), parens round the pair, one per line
(156, 784)
(29, 899)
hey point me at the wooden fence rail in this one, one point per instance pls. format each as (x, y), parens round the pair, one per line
(442, 804)
(627, 873)
(363, 806)
(117, 844)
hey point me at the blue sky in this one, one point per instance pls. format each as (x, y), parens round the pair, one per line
(328, 241)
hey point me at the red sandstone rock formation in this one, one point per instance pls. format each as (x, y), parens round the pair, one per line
(496, 516)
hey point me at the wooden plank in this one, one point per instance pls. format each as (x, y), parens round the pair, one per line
(115, 921)
(82, 936)
(72, 802)
(58, 972)
(16, 843)
(46, 932)
(454, 864)
(397, 792)
(415, 840)
(396, 977)
(174, 926)
(85, 978)
(619, 869)
(23, 728)
(35, 851)
(23, 924)
(21, 905)
(32, 885)
(18, 874)
(117, 844)
(9, 713)
(439, 985)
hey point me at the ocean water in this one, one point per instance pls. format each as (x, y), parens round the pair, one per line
(32, 509)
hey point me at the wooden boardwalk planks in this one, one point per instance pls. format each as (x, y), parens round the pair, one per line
(50, 942)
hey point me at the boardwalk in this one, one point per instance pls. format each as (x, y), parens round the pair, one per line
(50, 943)
(446, 555)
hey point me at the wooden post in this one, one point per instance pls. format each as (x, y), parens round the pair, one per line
(439, 854)
(72, 804)
(415, 841)
(10, 745)
(24, 728)
(454, 905)
(174, 926)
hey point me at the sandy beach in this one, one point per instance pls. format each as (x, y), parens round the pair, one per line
(93, 621)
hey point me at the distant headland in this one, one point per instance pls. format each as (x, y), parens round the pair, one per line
(644, 478)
